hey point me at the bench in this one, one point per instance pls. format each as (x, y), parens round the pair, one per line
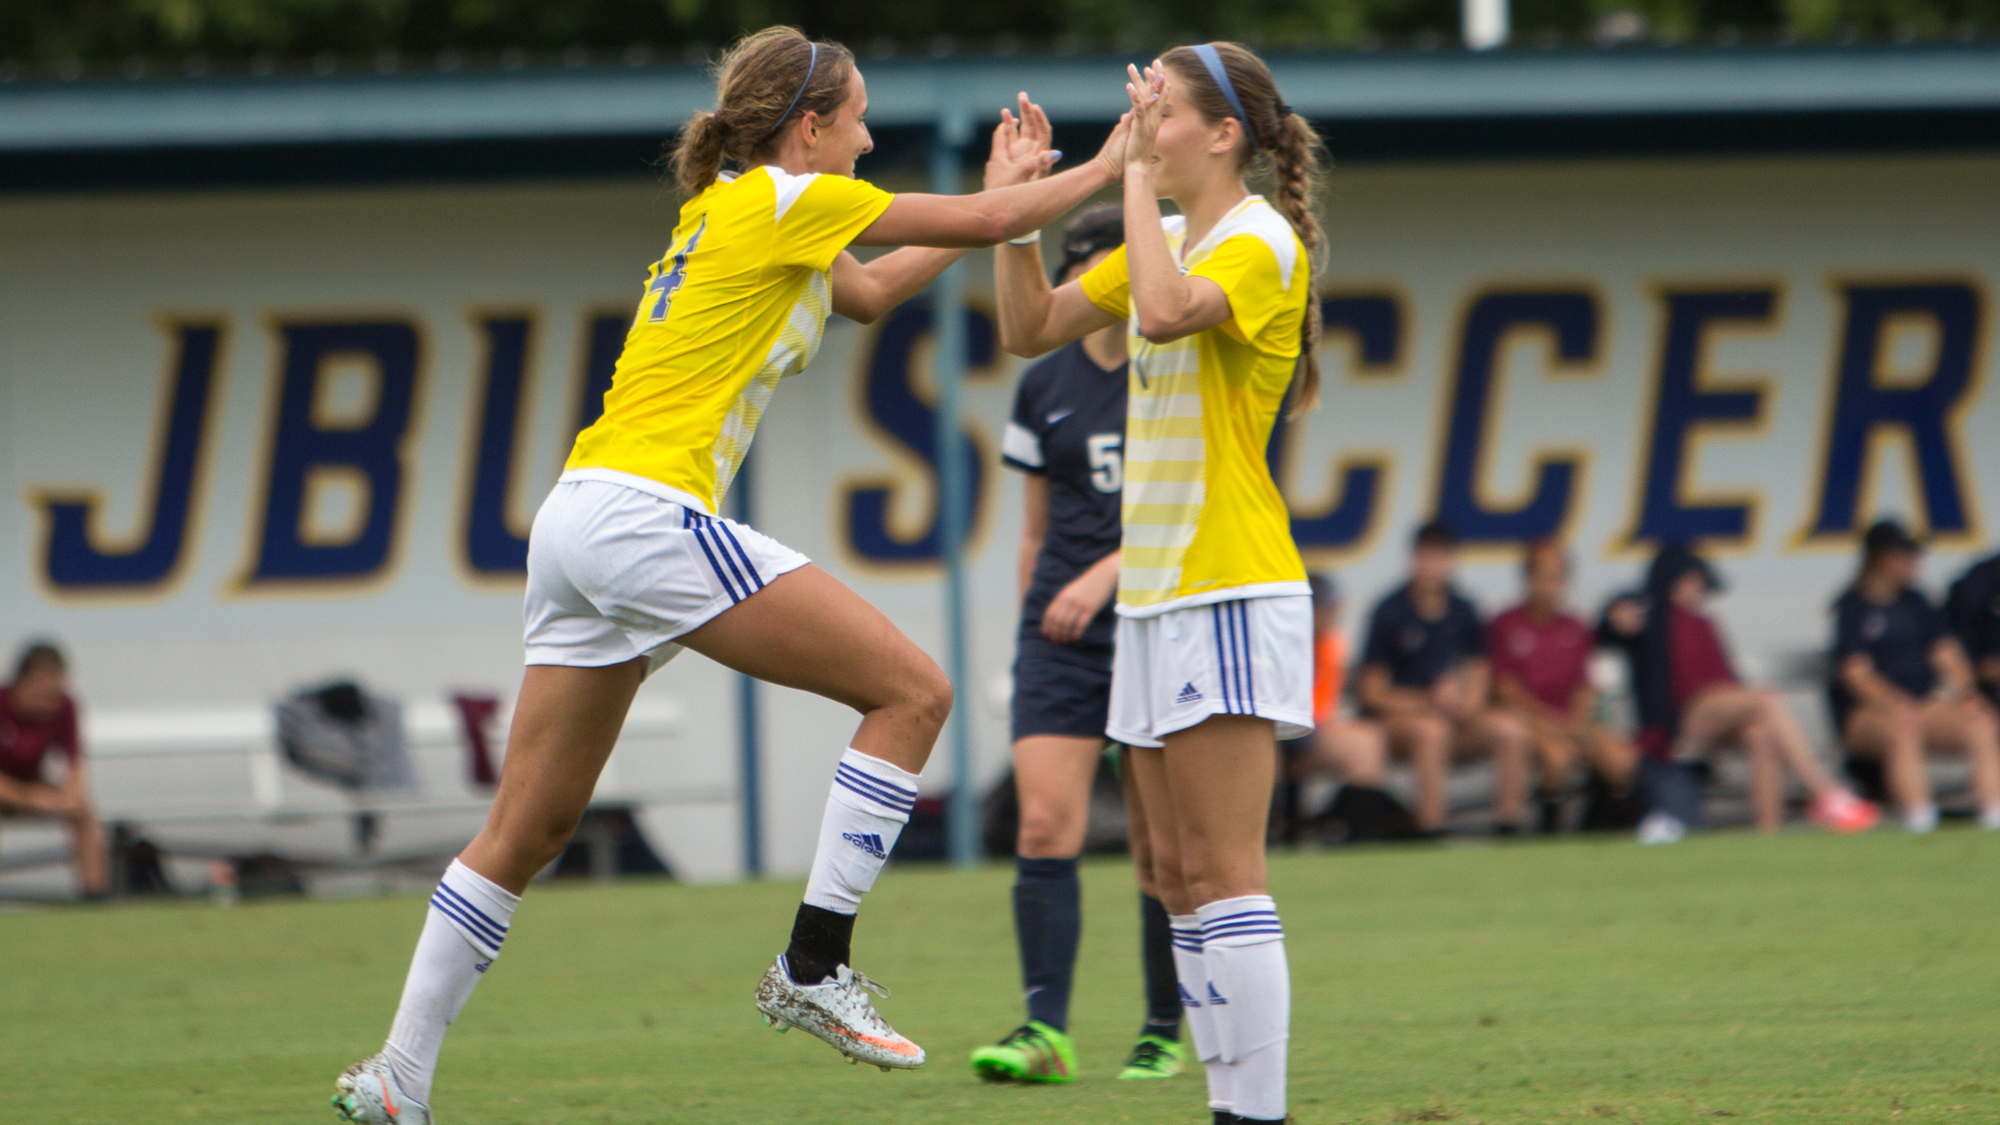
(211, 783)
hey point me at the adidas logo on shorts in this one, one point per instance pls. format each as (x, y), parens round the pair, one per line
(868, 842)
(1188, 694)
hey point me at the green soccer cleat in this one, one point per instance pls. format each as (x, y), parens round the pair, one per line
(1155, 1057)
(1033, 1052)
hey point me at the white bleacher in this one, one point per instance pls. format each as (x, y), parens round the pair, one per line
(212, 782)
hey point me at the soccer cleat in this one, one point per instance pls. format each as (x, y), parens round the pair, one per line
(1155, 1057)
(839, 1012)
(1838, 810)
(367, 1093)
(1661, 828)
(1033, 1052)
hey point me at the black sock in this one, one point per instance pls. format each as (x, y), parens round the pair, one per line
(822, 941)
(1163, 985)
(1048, 923)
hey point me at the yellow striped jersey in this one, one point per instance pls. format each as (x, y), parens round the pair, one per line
(739, 302)
(1203, 521)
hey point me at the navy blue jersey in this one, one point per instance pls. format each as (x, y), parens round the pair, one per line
(1418, 651)
(1974, 606)
(1069, 426)
(1896, 638)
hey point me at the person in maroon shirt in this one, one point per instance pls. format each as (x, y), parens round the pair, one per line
(1541, 672)
(1691, 703)
(38, 721)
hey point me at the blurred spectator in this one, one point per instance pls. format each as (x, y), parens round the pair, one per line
(1541, 673)
(1901, 683)
(38, 737)
(1353, 751)
(1974, 608)
(1691, 703)
(1424, 678)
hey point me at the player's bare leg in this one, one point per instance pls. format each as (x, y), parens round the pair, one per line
(1160, 1052)
(1219, 775)
(566, 720)
(806, 630)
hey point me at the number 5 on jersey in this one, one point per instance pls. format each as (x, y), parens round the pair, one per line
(1107, 465)
(672, 271)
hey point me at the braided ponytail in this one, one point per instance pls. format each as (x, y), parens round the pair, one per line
(1285, 145)
(1296, 156)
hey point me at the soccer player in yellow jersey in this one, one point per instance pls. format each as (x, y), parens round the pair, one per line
(630, 562)
(1214, 646)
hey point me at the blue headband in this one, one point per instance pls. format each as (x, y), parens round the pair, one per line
(812, 65)
(1213, 61)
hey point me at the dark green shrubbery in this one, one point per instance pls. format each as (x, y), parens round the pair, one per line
(174, 36)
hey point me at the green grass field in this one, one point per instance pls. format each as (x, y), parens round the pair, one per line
(1796, 978)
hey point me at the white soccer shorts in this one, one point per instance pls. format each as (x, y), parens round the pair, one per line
(1247, 657)
(615, 573)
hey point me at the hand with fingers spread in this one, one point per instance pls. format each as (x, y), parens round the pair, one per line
(1148, 92)
(1021, 152)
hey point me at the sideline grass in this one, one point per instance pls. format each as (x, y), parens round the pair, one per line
(1797, 978)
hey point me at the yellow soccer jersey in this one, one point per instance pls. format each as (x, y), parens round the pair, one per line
(739, 302)
(1203, 521)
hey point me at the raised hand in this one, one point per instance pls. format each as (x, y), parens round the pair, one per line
(1021, 151)
(1148, 92)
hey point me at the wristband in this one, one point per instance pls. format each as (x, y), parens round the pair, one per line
(1032, 238)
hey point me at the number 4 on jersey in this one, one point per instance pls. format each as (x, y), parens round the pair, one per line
(1107, 466)
(668, 281)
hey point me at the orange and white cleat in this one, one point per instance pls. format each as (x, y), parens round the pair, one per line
(1838, 810)
(369, 1094)
(839, 1011)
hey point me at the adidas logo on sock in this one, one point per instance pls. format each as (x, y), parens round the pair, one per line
(1188, 694)
(1214, 997)
(481, 966)
(1187, 998)
(869, 842)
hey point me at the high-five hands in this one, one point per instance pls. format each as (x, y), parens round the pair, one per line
(1021, 151)
(1148, 92)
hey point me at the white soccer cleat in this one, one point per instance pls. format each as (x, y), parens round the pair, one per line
(1661, 828)
(838, 1011)
(367, 1092)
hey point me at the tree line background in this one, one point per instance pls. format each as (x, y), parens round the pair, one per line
(70, 38)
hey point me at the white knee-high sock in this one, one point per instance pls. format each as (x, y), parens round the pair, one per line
(1243, 947)
(865, 811)
(468, 920)
(1192, 969)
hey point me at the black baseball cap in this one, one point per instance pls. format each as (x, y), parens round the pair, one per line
(1098, 229)
(1886, 536)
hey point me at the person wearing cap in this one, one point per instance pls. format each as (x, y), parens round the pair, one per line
(1974, 609)
(38, 725)
(1424, 678)
(1901, 684)
(1691, 704)
(1541, 673)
